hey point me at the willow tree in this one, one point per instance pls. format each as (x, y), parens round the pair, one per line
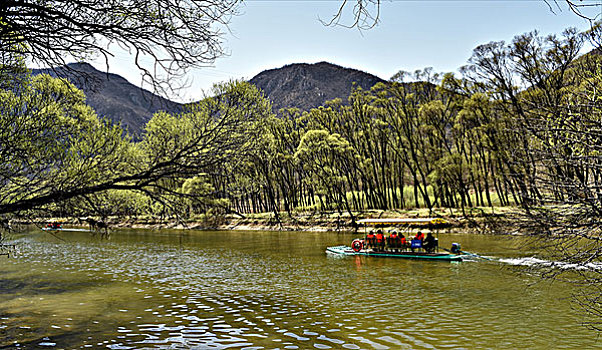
(401, 104)
(54, 147)
(49, 139)
(570, 152)
(552, 96)
(325, 157)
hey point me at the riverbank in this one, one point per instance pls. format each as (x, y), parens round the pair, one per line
(476, 220)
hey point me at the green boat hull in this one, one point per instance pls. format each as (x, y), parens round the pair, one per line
(66, 229)
(344, 250)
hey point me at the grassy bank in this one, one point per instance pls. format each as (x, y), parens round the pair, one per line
(477, 220)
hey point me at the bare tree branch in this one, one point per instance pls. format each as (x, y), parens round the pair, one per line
(364, 15)
(174, 35)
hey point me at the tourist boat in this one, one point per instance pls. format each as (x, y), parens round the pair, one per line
(65, 229)
(53, 226)
(57, 226)
(345, 250)
(413, 250)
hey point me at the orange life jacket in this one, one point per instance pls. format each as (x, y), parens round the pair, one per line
(380, 237)
(403, 240)
(420, 236)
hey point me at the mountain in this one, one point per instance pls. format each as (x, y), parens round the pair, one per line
(114, 97)
(302, 85)
(307, 86)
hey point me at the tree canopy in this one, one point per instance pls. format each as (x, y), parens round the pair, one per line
(54, 147)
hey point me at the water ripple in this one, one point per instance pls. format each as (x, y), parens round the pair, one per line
(139, 293)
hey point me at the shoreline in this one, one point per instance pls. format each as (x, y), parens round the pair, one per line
(481, 223)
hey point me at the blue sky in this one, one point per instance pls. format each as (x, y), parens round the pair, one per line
(410, 35)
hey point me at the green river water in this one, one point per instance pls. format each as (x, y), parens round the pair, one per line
(266, 290)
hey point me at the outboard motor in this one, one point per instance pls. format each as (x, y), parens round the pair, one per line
(456, 249)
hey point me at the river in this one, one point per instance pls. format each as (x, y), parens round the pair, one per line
(266, 290)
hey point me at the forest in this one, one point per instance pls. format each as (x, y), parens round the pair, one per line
(519, 127)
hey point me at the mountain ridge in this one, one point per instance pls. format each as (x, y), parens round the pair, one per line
(113, 96)
(298, 85)
(310, 85)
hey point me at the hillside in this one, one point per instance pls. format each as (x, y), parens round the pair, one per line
(306, 86)
(112, 96)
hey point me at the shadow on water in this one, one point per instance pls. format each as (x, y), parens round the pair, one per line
(28, 338)
(17, 287)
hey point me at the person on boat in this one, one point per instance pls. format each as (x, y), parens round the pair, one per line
(380, 239)
(393, 240)
(371, 240)
(430, 243)
(419, 236)
(456, 249)
(403, 243)
(417, 241)
(54, 225)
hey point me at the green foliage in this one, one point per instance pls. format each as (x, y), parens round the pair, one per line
(52, 141)
(58, 155)
(442, 141)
